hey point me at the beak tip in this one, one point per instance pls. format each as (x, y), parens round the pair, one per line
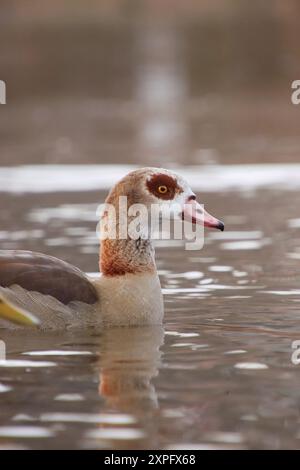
(221, 226)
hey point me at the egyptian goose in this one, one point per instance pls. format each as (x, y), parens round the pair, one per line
(37, 289)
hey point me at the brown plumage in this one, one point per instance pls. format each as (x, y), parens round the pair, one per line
(120, 257)
(46, 275)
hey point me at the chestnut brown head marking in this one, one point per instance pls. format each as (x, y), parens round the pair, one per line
(163, 186)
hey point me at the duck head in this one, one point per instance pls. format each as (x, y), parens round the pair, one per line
(140, 192)
(164, 189)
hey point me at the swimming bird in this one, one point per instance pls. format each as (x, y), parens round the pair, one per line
(37, 289)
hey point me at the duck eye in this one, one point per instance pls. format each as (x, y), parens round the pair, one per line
(162, 189)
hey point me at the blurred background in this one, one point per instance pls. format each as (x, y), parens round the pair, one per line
(153, 82)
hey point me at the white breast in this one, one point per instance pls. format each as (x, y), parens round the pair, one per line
(132, 299)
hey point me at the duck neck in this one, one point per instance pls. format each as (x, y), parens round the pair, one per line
(130, 290)
(126, 256)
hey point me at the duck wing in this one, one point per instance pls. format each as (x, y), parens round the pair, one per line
(28, 278)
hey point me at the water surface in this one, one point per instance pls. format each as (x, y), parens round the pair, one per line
(217, 375)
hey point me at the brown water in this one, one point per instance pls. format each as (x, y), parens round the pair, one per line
(142, 83)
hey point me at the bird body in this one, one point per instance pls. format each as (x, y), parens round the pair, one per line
(44, 291)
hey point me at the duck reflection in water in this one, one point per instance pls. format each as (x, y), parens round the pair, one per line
(129, 361)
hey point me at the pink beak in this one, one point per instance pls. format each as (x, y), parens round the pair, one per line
(195, 213)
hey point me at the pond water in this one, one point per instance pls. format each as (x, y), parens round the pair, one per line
(218, 374)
